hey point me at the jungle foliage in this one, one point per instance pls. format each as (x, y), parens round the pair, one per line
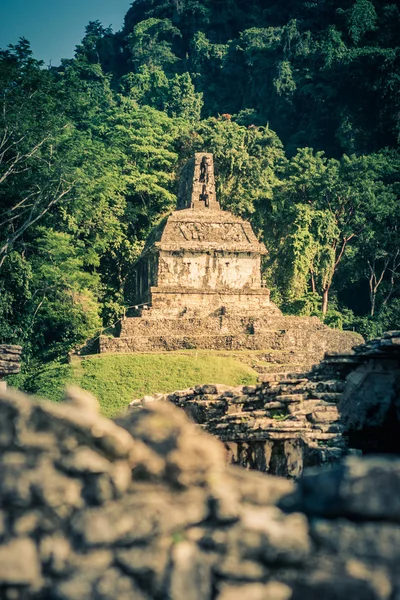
(300, 104)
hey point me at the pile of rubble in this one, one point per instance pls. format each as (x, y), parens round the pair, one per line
(293, 420)
(146, 508)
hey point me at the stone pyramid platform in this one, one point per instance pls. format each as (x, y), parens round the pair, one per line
(304, 339)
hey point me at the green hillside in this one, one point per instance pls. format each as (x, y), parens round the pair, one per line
(117, 379)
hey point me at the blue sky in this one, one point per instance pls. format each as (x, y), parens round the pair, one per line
(55, 27)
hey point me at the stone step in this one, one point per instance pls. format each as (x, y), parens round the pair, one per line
(309, 406)
(9, 368)
(272, 368)
(283, 377)
(10, 349)
(335, 428)
(203, 341)
(292, 381)
(324, 436)
(181, 325)
(271, 377)
(273, 405)
(326, 396)
(10, 358)
(154, 322)
(288, 398)
(318, 416)
(324, 385)
(342, 360)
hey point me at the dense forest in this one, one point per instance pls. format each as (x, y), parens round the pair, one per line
(300, 103)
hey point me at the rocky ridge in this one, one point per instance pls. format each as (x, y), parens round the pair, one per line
(146, 508)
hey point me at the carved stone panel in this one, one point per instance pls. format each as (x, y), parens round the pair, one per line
(209, 232)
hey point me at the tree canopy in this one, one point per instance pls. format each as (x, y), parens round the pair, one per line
(299, 102)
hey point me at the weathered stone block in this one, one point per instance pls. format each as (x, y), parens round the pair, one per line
(19, 563)
(272, 590)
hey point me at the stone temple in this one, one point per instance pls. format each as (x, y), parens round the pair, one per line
(198, 285)
(201, 257)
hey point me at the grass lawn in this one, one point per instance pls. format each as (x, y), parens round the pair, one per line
(116, 379)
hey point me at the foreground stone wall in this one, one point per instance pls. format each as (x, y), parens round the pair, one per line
(146, 508)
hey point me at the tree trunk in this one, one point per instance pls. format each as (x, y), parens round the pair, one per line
(372, 289)
(313, 285)
(373, 299)
(325, 300)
